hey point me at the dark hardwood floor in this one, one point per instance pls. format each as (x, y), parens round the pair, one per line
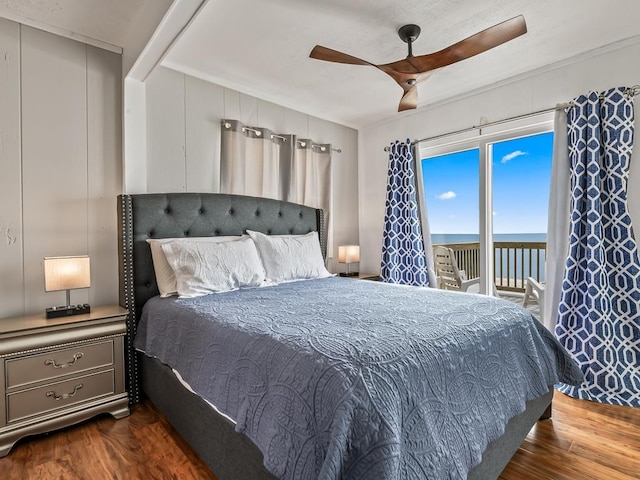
(583, 441)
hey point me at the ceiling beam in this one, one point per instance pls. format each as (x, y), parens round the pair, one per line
(177, 19)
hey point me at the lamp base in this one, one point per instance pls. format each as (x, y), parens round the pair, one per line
(65, 311)
(349, 274)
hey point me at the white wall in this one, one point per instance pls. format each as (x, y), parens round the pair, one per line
(600, 70)
(60, 164)
(183, 141)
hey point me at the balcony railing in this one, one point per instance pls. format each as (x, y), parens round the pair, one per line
(513, 262)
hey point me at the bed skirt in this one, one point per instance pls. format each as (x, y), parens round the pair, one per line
(232, 456)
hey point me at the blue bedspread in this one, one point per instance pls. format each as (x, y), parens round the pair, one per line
(342, 379)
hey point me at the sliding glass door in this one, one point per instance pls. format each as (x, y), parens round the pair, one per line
(450, 190)
(486, 197)
(521, 179)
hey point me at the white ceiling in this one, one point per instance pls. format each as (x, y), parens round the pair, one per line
(261, 47)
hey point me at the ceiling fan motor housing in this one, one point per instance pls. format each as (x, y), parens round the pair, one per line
(409, 34)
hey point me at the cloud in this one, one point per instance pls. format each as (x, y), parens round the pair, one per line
(446, 195)
(510, 156)
(494, 213)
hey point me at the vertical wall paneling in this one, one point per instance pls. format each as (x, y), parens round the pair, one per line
(135, 131)
(231, 105)
(275, 114)
(166, 162)
(203, 104)
(296, 122)
(54, 158)
(344, 178)
(104, 132)
(249, 113)
(11, 276)
(320, 130)
(60, 164)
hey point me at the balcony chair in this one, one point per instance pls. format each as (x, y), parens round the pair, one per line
(534, 290)
(448, 275)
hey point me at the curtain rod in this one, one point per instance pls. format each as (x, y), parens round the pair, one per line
(284, 139)
(497, 122)
(321, 147)
(632, 91)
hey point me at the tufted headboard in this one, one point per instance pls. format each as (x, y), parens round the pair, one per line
(175, 215)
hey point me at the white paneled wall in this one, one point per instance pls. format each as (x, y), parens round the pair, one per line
(183, 141)
(54, 156)
(104, 166)
(203, 102)
(166, 149)
(11, 276)
(558, 84)
(60, 167)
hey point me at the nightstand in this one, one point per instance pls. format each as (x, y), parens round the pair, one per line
(60, 371)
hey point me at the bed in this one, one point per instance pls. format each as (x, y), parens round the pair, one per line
(212, 431)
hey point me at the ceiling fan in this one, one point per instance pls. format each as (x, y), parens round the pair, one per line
(411, 71)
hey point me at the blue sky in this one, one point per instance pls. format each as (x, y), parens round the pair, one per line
(521, 176)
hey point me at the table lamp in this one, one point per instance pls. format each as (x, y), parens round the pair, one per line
(348, 254)
(66, 273)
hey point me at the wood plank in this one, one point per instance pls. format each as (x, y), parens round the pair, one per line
(11, 275)
(585, 440)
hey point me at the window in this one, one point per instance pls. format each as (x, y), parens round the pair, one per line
(451, 186)
(486, 195)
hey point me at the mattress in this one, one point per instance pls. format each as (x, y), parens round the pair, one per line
(336, 378)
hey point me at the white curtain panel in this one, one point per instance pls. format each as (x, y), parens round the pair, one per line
(254, 161)
(311, 181)
(258, 162)
(558, 220)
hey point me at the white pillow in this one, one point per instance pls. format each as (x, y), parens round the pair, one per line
(202, 268)
(290, 257)
(165, 278)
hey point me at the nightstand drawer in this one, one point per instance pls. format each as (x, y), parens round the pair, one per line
(55, 363)
(58, 395)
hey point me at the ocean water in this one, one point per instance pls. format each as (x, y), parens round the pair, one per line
(439, 238)
(505, 267)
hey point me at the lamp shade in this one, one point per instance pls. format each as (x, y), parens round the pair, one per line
(349, 253)
(66, 273)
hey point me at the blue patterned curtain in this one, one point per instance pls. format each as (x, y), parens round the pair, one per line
(403, 255)
(599, 311)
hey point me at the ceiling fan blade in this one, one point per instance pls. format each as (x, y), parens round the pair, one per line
(470, 46)
(323, 53)
(409, 100)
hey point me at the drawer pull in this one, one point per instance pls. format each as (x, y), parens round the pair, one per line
(76, 357)
(64, 395)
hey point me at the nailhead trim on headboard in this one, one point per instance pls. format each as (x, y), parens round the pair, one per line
(322, 233)
(127, 294)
